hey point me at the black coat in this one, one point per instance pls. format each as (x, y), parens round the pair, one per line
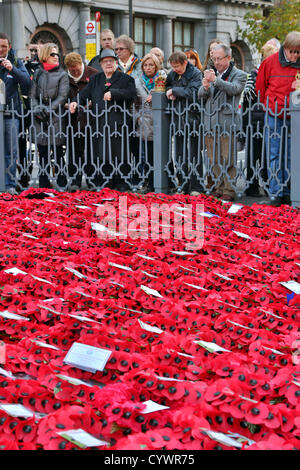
(123, 92)
(185, 87)
(121, 86)
(95, 62)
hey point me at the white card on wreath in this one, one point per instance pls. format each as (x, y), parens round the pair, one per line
(81, 438)
(15, 271)
(12, 316)
(234, 208)
(152, 406)
(294, 286)
(86, 357)
(17, 410)
(152, 329)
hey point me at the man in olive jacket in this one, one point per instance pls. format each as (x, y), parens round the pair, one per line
(182, 85)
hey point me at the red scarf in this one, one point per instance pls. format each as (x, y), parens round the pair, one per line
(48, 67)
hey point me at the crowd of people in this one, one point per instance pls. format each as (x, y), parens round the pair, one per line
(118, 75)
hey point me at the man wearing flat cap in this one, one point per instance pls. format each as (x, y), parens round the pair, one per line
(103, 90)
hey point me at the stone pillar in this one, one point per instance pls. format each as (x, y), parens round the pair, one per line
(203, 40)
(167, 37)
(17, 36)
(295, 145)
(84, 15)
(161, 126)
(125, 23)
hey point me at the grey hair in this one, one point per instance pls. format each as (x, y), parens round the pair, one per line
(226, 49)
(127, 41)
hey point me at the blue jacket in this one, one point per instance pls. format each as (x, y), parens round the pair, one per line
(17, 76)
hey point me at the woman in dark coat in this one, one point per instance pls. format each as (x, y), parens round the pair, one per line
(182, 85)
(78, 154)
(49, 93)
(111, 126)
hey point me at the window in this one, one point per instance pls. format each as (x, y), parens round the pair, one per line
(183, 35)
(106, 20)
(143, 35)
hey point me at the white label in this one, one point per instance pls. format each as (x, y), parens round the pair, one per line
(81, 438)
(87, 357)
(152, 329)
(211, 347)
(243, 235)
(16, 410)
(152, 406)
(14, 271)
(150, 291)
(292, 285)
(12, 316)
(120, 266)
(234, 208)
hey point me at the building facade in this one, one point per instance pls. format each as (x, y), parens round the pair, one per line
(168, 24)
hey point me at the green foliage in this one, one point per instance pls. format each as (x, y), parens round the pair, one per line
(277, 22)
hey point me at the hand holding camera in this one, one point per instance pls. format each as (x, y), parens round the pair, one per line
(6, 63)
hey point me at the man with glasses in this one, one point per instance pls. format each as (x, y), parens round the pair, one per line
(276, 79)
(221, 94)
(107, 40)
(17, 82)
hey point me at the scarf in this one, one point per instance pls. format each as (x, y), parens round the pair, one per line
(126, 65)
(149, 81)
(48, 67)
(77, 79)
(224, 76)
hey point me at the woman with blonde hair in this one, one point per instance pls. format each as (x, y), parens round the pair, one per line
(49, 93)
(143, 146)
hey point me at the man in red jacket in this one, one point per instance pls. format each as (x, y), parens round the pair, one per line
(276, 79)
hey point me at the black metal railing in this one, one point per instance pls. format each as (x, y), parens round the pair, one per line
(175, 146)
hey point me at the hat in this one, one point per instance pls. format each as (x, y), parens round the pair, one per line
(107, 53)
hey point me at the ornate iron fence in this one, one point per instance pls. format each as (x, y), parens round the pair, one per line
(183, 151)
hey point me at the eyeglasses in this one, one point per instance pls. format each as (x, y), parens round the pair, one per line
(294, 52)
(53, 54)
(218, 59)
(33, 50)
(120, 48)
(191, 50)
